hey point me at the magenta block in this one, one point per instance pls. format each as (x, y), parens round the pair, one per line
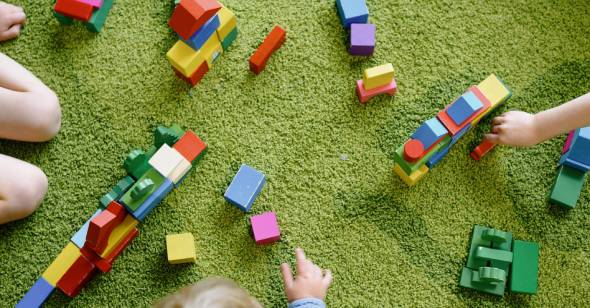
(265, 228)
(365, 95)
(95, 3)
(568, 142)
(362, 39)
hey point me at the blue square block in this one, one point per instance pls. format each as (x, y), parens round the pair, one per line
(579, 151)
(464, 107)
(153, 200)
(430, 132)
(79, 238)
(204, 33)
(352, 12)
(37, 294)
(245, 187)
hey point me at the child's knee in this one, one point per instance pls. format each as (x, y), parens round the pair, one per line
(25, 195)
(49, 123)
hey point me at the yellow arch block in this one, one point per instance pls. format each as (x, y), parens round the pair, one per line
(119, 233)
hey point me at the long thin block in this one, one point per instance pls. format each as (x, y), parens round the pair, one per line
(525, 267)
(153, 200)
(273, 41)
(482, 149)
(37, 294)
(181, 248)
(198, 39)
(378, 76)
(190, 15)
(74, 9)
(567, 187)
(365, 95)
(245, 187)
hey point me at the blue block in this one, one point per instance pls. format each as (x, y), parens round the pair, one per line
(245, 187)
(438, 156)
(460, 134)
(573, 163)
(464, 107)
(152, 201)
(430, 132)
(79, 238)
(352, 12)
(204, 33)
(37, 294)
(579, 151)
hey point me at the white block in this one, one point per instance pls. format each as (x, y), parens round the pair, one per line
(181, 170)
(166, 160)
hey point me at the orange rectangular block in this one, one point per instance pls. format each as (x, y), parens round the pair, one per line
(482, 149)
(74, 9)
(273, 41)
(196, 76)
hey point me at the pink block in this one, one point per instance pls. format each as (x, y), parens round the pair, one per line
(265, 228)
(366, 95)
(568, 142)
(95, 3)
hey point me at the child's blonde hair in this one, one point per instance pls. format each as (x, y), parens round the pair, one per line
(211, 293)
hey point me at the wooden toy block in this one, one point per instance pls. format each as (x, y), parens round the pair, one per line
(568, 142)
(378, 76)
(567, 186)
(37, 294)
(191, 146)
(61, 264)
(116, 252)
(365, 95)
(273, 41)
(482, 149)
(196, 77)
(480, 238)
(74, 9)
(136, 163)
(190, 15)
(181, 248)
(79, 238)
(471, 279)
(95, 3)
(122, 187)
(265, 228)
(119, 234)
(153, 200)
(578, 155)
(464, 107)
(496, 93)
(198, 39)
(166, 160)
(142, 189)
(101, 264)
(525, 267)
(453, 128)
(77, 276)
(228, 22)
(439, 155)
(245, 187)
(362, 39)
(167, 135)
(352, 11)
(413, 177)
(413, 150)
(185, 59)
(489, 274)
(495, 257)
(229, 39)
(64, 20)
(180, 172)
(102, 225)
(430, 133)
(99, 16)
(408, 167)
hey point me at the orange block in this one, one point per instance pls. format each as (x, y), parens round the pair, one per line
(273, 41)
(196, 76)
(74, 9)
(190, 15)
(413, 150)
(190, 146)
(482, 149)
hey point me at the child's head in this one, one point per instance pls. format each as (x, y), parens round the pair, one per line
(211, 293)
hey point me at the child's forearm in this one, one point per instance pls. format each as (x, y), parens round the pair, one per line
(564, 118)
(15, 77)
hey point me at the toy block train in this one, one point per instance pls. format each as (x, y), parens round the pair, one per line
(93, 13)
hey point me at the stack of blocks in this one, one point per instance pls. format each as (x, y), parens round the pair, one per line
(354, 16)
(495, 259)
(573, 166)
(206, 29)
(431, 142)
(112, 227)
(93, 13)
(273, 41)
(376, 80)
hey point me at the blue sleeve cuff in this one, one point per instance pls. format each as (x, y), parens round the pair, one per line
(307, 303)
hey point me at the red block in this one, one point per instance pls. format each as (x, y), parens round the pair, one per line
(105, 265)
(450, 124)
(77, 276)
(273, 41)
(196, 76)
(74, 9)
(413, 150)
(190, 15)
(101, 226)
(482, 149)
(190, 146)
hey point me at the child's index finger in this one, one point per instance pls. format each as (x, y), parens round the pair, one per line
(299, 254)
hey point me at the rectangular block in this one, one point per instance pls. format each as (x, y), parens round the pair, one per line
(198, 39)
(378, 76)
(438, 156)
(79, 238)
(525, 267)
(464, 107)
(37, 294)
(196, 77)
(430, 132)
(273, 41)
(482, 149)
(265, 228)
(190, 15)
(496, 93)
(77, 276)
(61, 264)
(229, 39)
(181, 248)
(142, 190)
(245, 187)
(185, 59)
(153, 200)
(119, 234)
(96, 22)
(567, 186)
(228, 22)
(64, 20)
(413, 177)
(352, 11)
(190, 146)
(74, 9)
(362, 39)
(453, 128)
(365, 95)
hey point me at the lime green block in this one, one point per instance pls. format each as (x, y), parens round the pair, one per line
(99, 17)
(229, 39)
(470, 279)
(525, 267)
(136, 195)
(567, 187)
(122, 186)
(409, 167)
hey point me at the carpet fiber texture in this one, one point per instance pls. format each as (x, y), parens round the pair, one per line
(328, 159)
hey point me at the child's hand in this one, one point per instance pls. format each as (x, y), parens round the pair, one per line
(310, 282)
(11, 20)
(515, 128)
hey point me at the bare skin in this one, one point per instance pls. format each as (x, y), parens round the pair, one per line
(311, 281)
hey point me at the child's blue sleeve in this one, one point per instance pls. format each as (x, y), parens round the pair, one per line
(307, 303)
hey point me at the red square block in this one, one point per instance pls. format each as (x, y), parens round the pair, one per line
(196, 76)
(265, 228)
(74, 9)
(190, 146)
(273, 41)
(190, 15)
(450, 124)
(77, 276)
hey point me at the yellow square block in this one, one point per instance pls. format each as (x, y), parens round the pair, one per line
(61, 264)
(228, 22)
(378, 76)
(414, 177)
(181, 248)
(185, 59)
(495, 91)
(211, 50)
(119, 233)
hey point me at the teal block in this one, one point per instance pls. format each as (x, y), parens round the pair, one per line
(99, 17)
(64, 20)
(229, 39)
(122, 186)
(467, 281)
(168, 135)
(137, 162)
(567, 186)
(525, 267)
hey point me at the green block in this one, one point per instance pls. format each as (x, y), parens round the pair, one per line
(525, 267)
(136, 163)
(176, 2)
(168, 135)
(99, 17)
(64, 20)
(142, 189)
(408, 168)
(229, 39)
(122, 186)
(481, 238)
(107, 199)
(480, 283)
(497, 258)
(567, 187)
(489, 274)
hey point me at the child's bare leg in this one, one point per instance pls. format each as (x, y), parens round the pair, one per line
(22, 188)
(29, 110)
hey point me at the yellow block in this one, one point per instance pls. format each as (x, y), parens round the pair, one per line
(228, 22)
(495, 91)
(414, 177)
(378, 76)
(181, 248)
(185, 59)
(119, 233)
(61, 264)
(210, 49)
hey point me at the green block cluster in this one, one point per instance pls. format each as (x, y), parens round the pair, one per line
(168, 135)
(122, 186)
(567, 186)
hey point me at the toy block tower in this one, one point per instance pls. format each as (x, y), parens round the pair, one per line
(376, 80)
(93, 13)
(206, 29)
(354, 16)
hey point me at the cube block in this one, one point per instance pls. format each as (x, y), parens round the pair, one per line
(362, 39)
(567, 186)
(77, 276)
(352, 11)
(190, 146)
(245, 187)
(495, 91)
(273, 41)
(165, 160)
(96, 22)
(265, 228)
(365, 95)
(181, 248)
(378, 76)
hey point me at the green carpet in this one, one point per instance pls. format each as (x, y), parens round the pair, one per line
(328, 160)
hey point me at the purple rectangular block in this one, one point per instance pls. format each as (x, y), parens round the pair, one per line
(95, 3)
(362, 39)
(265, 228)
(568, 142)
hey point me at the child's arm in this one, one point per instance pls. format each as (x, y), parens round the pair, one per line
(517, 128)
(310, 286)
(11, 20)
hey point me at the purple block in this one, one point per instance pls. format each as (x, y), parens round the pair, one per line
(362, 39)
(265, 228)
(95, 3)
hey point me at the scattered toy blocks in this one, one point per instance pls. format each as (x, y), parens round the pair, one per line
(273, 41)
(413, 150)
(430, 133)
(265, 228)
(190, 15)
(464, 107)
(191, 146)
(365, 95)
(482, 149)
(37, 294)
(378, 76)
(525, 267)
(567, 187)
(412, 178)
(74, 9)
(245, 187)
(362, 39)
(352, 11)
(181, 248)
(166, 160)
